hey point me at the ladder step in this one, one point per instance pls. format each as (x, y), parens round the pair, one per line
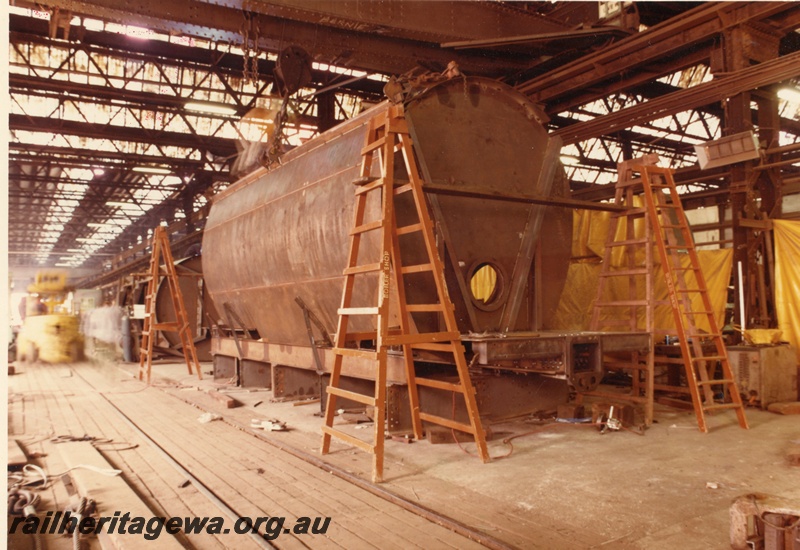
(625, 272)
(353, 396)
(439, 385)
(698, 312)
(380, 142)
(690, 268)
(721, 406)
(376, 183)
(689, 290)
(347, 438)
(419, 308)
(405, 188)
(420, 268)
(172, 327)
(708, 358)
(366, 268)
(406, 229)
(677, 246)
(430, 337)
(351, 352)
(433, 347)
(371, 226)
(364, 180)
(358, 311)
(452, 424)
(714, 382)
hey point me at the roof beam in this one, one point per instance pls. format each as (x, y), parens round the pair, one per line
(632, 53)
(719, 89)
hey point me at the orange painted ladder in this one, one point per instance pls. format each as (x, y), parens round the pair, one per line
(674, 238)
(387, 135)
(180, 325)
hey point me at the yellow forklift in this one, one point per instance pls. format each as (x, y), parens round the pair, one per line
(49, 332)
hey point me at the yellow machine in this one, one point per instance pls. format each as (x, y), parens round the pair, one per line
(49, 333)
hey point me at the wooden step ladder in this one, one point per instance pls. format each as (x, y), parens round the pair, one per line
(635, 271)
(664, 214)
(161, 250)
(388, 134)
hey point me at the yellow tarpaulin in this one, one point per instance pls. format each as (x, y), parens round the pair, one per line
(580, 291)
(787, 279)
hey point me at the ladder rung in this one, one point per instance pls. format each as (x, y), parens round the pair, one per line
(166, 326)
(439, 385)
(689, 290)
(418, 308)
(358, 311)
(371, 186)
(709, 358)
(405, 188)
(677, 246)
(673, 226)
(420, 268)
(353, 396)
(431, 337)
(371, 226)
(354, 441)
(714, 382)
(720, 406)
(625, 272)
(452, 424)
(366, 268)
(698, 312)
(690, 268)
(406, 229)
(433, 347)
(374, 145)
(351, 352)
(365, 180)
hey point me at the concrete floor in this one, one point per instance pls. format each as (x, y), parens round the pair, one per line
(670, 488)
(562, 486)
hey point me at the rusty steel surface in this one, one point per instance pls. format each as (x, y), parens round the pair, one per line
(301, 357)
(283, 233)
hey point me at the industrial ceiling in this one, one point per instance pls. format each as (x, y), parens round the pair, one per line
(127, 115)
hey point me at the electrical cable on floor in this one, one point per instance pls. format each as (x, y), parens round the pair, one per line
(47, 478)
(22, 502)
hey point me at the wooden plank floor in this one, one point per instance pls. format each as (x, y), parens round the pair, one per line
(250, 476)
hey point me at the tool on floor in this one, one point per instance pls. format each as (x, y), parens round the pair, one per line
(387, 135)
